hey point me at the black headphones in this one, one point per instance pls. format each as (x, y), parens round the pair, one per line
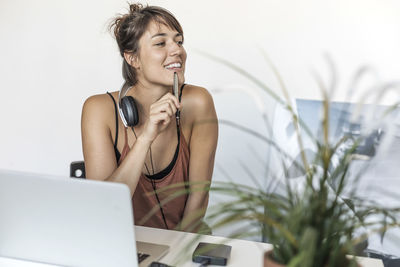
(127, 107)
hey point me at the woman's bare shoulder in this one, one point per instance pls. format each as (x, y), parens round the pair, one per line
(197, 98)
(99, 106)
(197, 105)
(100, 101)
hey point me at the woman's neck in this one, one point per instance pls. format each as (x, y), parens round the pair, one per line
(145, 96)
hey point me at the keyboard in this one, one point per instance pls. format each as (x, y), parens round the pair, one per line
(142, 256)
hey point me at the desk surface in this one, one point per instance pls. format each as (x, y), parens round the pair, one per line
(244, 253)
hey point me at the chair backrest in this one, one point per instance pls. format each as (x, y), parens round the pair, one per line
(77, 169)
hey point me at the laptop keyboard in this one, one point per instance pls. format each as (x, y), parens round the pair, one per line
(142, 256)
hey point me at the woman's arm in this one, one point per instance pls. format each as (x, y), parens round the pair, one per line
(98, 147)
(203, 143)
(97, 143)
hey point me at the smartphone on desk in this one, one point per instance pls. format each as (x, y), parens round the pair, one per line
(212, 254)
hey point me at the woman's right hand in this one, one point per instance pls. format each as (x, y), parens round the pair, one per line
(162, 112)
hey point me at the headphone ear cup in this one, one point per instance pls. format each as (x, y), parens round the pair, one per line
(130, 111)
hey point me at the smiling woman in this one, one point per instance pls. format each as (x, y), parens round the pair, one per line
(146, 137)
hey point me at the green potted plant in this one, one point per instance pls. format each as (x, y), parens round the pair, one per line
(319, 224)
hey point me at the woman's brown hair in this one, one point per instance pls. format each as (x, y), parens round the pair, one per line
(129, 28)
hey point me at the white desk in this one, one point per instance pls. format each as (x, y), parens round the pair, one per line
(244, 253)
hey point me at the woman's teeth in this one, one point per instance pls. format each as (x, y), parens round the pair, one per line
(173, 65)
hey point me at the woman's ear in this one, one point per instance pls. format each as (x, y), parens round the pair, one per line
(132, 59)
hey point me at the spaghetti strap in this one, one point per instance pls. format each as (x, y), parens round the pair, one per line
(180, 93)
(116, 120)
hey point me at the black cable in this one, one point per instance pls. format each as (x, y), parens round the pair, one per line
(145, 165)
(152, 182)
(159, 203)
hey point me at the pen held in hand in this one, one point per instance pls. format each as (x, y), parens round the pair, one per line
(176, 93)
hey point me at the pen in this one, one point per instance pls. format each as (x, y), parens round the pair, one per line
(176, 93)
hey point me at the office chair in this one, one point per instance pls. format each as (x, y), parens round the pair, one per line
(77, 169)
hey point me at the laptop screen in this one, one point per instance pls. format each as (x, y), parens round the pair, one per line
(65, 221)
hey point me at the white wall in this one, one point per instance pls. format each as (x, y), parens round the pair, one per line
(54, 54)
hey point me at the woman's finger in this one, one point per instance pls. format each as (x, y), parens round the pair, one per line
(172, 98)
(162, 117)
(166, 106)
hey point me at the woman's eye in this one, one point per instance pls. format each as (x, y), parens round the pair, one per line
(180, 42)
(160, 44)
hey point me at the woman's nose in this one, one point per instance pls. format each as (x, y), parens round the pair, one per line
(175, 49)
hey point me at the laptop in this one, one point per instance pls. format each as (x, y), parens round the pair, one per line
(69, 222)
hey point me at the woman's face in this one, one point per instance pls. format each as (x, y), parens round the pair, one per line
(160, 55)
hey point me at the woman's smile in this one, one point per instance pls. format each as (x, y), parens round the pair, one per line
(176, 66)
(161, 45)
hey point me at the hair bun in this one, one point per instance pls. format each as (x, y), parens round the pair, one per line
(133, 8)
